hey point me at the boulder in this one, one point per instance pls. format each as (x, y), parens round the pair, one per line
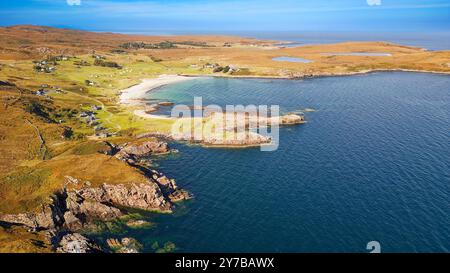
(166, 103)
(291, 119)
(169, 188)
(126, 245)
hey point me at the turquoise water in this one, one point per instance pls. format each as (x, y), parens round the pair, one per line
(372, 163)
(291, 59)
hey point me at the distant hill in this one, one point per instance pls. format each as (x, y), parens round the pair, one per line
(29, 41)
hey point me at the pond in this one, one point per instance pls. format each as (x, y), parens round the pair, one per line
(292, 60)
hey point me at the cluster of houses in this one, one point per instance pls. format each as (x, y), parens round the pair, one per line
(211, 66)
(48, 65)
(45, 89)
(92, 120)
(218, 68)
(44, 67)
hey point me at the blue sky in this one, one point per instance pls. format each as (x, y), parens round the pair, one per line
(171, 16)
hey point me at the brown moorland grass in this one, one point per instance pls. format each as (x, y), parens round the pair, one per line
(14, 239)
(27, 41)
(28, 176)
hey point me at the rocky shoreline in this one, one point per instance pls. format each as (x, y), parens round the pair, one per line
(77, 205)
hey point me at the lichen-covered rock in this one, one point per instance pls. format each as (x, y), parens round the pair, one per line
(146, 196)
(291, 119)
(166, 103)
(84, 208)
(69, 210)
(77, 243)
(49, 216)
(239, 139)
(169, 188)
(72, 222)
(126, 245)
(179, 195)
(148, 148)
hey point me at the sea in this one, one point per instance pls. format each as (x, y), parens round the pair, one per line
(372, 163)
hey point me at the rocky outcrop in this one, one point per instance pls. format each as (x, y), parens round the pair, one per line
(291, 119)
(235, 129)
(240, 140)
(79, 204)
(166, 103)
(81, 210)
(49, 216)
(133, 153)
(74, 209)
(77, 243)
(126, 245)
(170, 188)
(146, 196)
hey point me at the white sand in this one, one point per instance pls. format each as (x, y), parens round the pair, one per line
(135, 94)
(142, 114)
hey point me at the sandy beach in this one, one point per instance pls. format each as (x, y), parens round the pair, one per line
(142, 114)
(134, 94)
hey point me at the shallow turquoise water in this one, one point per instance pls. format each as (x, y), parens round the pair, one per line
(371, 164)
